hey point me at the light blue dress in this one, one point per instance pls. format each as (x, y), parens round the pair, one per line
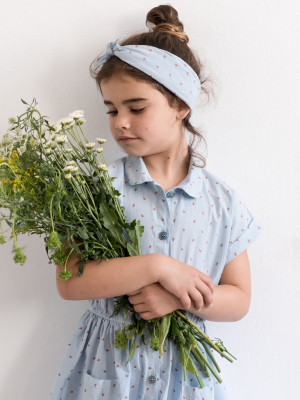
(202, 222)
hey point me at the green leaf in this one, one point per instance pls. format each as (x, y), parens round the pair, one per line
(132, 249)
(182, 359)
(111, 223)
(24, 101)
(132, 349)
(34, 124)
(82, 233)
(163, 331)
(132, 332)
(190, 366)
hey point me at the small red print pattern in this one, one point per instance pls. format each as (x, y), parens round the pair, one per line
(207, 225)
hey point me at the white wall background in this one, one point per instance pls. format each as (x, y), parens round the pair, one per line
(252, 132)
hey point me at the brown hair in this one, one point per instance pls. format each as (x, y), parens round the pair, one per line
(167, 34)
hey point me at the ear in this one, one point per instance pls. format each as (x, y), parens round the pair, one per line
(182, 113)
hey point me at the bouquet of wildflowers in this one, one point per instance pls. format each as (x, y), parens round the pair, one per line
(54, 182)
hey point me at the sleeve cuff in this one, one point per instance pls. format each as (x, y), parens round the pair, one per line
(244, 240)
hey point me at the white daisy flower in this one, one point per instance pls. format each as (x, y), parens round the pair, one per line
(21, 150)
(99, 149)
(27, 124)
(33, 142)
(81, 121)
(89, 145)
(48, 143)
(68, 168)
(66, 120)
(77, 114)
(53, 145)
(102, 167)
(44, 129)
(71, 162)
(53, 136)
(48, 151)
(74, 169)
(68, 150)
(61, 139)
(101, 140)
(68, 176)
(57, 127)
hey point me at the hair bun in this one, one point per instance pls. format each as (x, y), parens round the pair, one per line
(165, 19)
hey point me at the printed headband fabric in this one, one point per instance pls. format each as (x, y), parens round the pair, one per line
(166, 68)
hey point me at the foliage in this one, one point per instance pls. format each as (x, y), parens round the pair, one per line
(66, 194)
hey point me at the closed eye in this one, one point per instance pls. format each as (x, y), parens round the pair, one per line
(134, 111)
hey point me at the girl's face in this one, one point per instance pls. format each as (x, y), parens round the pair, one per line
(155, 126)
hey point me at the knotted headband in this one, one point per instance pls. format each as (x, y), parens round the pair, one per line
(165, 67)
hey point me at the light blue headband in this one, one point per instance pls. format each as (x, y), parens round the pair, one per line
(166, 68)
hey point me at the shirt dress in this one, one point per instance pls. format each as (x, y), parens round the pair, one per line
(202, 222)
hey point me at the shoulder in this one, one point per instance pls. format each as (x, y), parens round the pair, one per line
(216, 187)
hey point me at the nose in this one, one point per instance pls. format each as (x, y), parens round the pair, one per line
(122, 121)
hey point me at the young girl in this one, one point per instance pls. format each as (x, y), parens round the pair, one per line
(196, 228)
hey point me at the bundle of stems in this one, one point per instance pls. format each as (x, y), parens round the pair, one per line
(54, 182)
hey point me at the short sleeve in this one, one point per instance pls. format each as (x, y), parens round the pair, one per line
(244, 228)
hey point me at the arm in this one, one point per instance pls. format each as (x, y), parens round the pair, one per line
(114, 277)
(232, 296)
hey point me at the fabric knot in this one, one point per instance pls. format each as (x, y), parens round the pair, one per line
(110, 50)
(111, 47)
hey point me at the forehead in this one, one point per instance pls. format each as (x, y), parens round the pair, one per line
(126, 89)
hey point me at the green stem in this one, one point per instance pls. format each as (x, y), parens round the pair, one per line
(211, 356)
(124, 320)
(9, 167)
(65, 266)
(51, 212)
(13, 227)
(199, 354)
(198, 329)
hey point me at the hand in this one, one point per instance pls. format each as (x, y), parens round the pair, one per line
(153, 301)
(185, 282)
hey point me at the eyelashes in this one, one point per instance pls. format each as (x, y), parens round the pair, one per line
(134, 111)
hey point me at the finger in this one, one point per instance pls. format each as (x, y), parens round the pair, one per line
(136, 299)
(186, 301)
(205, 293)
(133, 293)
(197, 298)
(209, 282)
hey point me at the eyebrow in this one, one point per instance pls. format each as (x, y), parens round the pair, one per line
(126, 101)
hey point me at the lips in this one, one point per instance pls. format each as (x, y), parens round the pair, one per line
(127, 140)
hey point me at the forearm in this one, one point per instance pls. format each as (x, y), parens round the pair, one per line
(229, 304)
(111, 278)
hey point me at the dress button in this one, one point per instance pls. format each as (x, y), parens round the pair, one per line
(170, 194)
(152, 379)
(163, 235)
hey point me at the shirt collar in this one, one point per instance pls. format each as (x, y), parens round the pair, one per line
(136, 173)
